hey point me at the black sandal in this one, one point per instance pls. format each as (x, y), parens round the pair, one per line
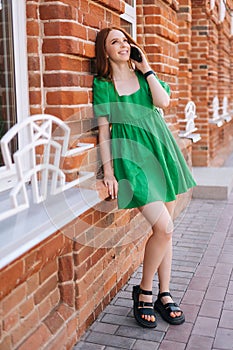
(143, 308)
(165, 310)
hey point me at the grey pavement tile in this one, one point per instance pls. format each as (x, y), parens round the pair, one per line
(123, 302)
(180, 280)
(210, 260)
(179, 333)
(193, 297)
(145, 345)
(223, 268)
(226, 258)
(199, 342)
(226, 320)
(171, 345)
(110, 340)
(119, 320)
(210, 308)
(230, 288)
(199, 283)
(204, 271)
(88, 346)
(182, 274)
(190, 312)
(102, 327)
(223, 339)
(219, 280)
(117, 310)
(205, 326)
(228, 303)
(215, 293)
(140, 333)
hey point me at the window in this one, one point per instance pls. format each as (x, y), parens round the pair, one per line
(14, 103)
(128, 19)
(7, 78)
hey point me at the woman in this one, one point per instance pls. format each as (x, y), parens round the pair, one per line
(143, 166)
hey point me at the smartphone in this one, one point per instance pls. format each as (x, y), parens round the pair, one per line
(135, 54)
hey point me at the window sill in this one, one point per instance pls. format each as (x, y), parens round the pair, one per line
(23, 231)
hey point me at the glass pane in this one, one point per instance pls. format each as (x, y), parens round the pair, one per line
(126, 26)
(7, 83)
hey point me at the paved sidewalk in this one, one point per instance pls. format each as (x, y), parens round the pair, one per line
(202, 281)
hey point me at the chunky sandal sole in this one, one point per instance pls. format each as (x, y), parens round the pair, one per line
(164, 310)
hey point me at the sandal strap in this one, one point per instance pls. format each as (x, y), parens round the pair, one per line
(172, 307)
(164, 294)
(147, 311)
(144, 292)
(144, 303)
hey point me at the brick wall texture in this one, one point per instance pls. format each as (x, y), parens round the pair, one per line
(51, 294)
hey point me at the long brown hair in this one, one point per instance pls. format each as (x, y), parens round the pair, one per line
(102, 63)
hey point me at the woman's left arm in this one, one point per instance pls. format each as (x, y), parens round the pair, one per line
(160, 96)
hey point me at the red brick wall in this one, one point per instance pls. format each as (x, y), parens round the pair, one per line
(54, 292)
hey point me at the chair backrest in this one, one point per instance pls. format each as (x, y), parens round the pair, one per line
(190, 115)
(215, 105)
(38, 162)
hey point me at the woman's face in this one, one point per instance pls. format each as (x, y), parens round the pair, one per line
(117, 46)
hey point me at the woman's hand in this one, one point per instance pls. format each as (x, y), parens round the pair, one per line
(144, 65)
(111, 183)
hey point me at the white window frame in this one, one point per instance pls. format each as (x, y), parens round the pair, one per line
(20, 61)
(130, 16)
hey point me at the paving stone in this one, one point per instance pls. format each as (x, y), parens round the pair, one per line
(145, 345)
(179, 333)
(228, 303)
(215, 293)
(205, 326)
(211, 308)
(226, 320)
(230, 288)
(171, 345)
(117, 310)
(204, 271)
(140, 333)
(199, 342)
(193, 297)
(190, 312)
(102, 327)
(219, 280)
(223, 339)
(88, 346)
(119, 320)
(199, 283)
(110, 340)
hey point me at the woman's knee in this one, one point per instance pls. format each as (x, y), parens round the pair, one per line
(164, 228)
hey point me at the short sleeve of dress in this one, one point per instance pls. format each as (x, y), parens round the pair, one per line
(101, 98)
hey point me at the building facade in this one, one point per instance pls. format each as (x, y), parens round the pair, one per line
(54, 286)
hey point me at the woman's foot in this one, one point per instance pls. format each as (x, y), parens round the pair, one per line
(143, 307)
(169, 310)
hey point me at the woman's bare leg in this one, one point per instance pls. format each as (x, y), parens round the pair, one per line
(164, 269)
(157, 245)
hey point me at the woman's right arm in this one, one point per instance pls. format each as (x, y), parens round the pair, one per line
(105, 152)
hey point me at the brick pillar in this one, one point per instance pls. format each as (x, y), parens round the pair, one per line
(200, 88)
(185, 64)
(159, 35)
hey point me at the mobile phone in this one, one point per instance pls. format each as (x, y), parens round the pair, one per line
(135, 54)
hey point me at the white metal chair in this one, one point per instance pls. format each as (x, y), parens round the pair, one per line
(22, 169)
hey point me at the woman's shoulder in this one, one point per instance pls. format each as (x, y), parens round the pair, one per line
(100, 81)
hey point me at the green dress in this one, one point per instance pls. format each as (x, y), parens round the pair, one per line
(148, 163)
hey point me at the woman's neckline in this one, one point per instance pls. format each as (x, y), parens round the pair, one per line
(127, 95)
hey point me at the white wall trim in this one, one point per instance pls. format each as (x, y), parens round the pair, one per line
(20, 61)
